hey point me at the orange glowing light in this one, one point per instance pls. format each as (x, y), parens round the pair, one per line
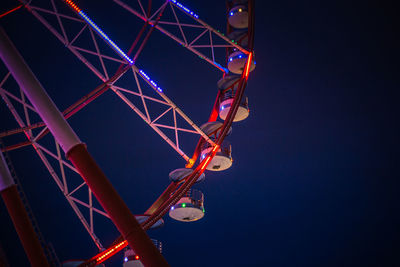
(190, 163)
(72, 4)
(137, 257)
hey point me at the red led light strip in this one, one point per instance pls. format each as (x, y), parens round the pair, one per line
(248, 65)
(103, 256)
(118, 247)
(10, 11)
(205, 164)
(215, 148)
(111, 252)
(209, 157)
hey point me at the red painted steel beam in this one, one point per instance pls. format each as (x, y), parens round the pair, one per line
(76, 151)
(115, 207)
(87, 99)
(24, 228)
(19, 217)
(162, 204)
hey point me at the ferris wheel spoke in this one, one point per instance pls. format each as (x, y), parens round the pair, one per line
(156, 126)
(178, 23)
(5, 78)
(66, 183)
(8, 94)
(90, 207)
(198, 37)
(36, 8)
(141, 7)
(54, 156)
(40, 134)
(73, 109)
(211, 44)
(61, 184)
(141, 95)
(24, 105)
(99, 54)
(144, 76)
(84, 222)
(176, 129)
(158, 10)
(159, 91)
(62, 180)
(78, 49)
(59, 19)
(153, 126)
(76, 189)
(78, 34)
(25, 126)
(146, 114)
(4, 95)
(161, 115)
(181, 24)
(201, 22)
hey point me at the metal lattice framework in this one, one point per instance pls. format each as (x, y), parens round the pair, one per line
(101, 63)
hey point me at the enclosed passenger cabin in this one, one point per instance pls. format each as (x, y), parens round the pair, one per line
(238, 16)
(238, 19)
(228, 86)
(181, 173)
(223, 157)
(237, 61)
(189, 208)
(131, 259)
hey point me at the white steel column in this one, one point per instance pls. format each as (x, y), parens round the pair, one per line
(77, 153)
(27, 81)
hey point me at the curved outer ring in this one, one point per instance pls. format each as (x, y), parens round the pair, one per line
(162, 205)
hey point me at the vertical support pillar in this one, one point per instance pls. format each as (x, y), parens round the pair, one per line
(77, 153)
(19, 217)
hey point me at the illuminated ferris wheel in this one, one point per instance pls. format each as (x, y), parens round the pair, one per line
(231, 54)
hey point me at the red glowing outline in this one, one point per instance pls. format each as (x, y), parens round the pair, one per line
(73, 5)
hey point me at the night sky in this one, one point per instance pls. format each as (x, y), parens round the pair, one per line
(314, 180)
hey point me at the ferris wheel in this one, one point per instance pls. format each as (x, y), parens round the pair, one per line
(120, 72)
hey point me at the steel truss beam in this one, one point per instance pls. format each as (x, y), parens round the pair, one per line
(44, 154)
(70, 43)
(182, 39)
(26, 126)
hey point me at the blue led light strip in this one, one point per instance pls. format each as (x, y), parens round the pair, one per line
(220, 67)
(150, 80)
(187, 10)
(116, 48)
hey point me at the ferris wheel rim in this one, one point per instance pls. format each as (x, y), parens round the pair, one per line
(192, 178)
(189, 181)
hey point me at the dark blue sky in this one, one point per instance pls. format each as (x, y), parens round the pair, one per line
(315, 175)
